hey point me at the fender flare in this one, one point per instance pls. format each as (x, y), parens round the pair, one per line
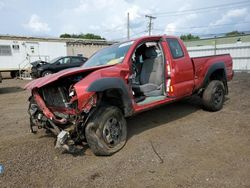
(211, 70)
(103, 84)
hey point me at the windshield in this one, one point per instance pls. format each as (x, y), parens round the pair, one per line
(109, 56)
(54, 60)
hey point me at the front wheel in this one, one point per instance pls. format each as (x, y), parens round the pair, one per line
(45, 73)
(14, 74)
(106, 132)
(213, 96)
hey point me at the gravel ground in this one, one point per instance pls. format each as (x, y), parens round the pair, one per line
(196, 148)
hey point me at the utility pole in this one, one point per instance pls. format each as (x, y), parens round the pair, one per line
(128, 35)
(215, 45)
(150, 23)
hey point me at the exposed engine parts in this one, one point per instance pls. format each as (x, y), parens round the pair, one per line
(55, 109)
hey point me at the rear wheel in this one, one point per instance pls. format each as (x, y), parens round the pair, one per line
(213, 96)
(106, 132)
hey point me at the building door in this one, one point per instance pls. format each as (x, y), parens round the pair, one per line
(32, 50)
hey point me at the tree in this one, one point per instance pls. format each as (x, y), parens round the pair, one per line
(189, 37)
(234, 33)
(65, 35)
(82, 36)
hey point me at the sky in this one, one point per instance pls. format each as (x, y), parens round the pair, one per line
(108, 18)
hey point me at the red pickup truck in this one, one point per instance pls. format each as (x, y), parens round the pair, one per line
(90, 103)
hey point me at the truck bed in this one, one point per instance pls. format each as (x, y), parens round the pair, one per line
(201, 64)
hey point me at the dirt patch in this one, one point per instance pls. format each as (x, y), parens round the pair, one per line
(177, 145)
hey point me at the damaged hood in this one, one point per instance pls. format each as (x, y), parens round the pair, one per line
(38, 63)
(40, 82)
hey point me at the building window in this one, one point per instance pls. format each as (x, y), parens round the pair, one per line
(32, 48)
(5, 50)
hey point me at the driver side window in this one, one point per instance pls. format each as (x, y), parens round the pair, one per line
(65, 60)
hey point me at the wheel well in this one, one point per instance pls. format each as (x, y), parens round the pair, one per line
(219, 75)
(113, 97)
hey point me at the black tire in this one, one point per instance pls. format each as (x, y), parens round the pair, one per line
(106, 132)
(31, 102)
(214, 95)
(45, 73)
(14, 74)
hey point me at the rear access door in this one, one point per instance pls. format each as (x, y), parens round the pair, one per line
(180, 81)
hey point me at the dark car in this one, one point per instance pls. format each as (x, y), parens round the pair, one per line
(42, 68)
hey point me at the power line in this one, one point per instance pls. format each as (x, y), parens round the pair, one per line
(136, 34)
(124, 38)
(189, 11)
(208, 34)
(199, 27)
(202, 8)
(218, 34)
(221, 34)
(115, 29)
(199, 12)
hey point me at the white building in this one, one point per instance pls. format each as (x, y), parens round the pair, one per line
(16, 53)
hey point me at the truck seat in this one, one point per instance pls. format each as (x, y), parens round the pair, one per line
(151, 76)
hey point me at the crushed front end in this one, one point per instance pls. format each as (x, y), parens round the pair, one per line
(55, 107)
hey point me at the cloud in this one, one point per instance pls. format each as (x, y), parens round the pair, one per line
(108, 18)
(35, 24)
(93, 5)
(94, 27)
(181, 21)
(1, 5)
(170, 28)
(136, 16)
(129, 1)
(105, 17)
(134, 12)
(95, 15)
(70, 28)
(231, 15)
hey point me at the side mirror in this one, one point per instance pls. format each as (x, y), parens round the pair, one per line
(58, 63)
